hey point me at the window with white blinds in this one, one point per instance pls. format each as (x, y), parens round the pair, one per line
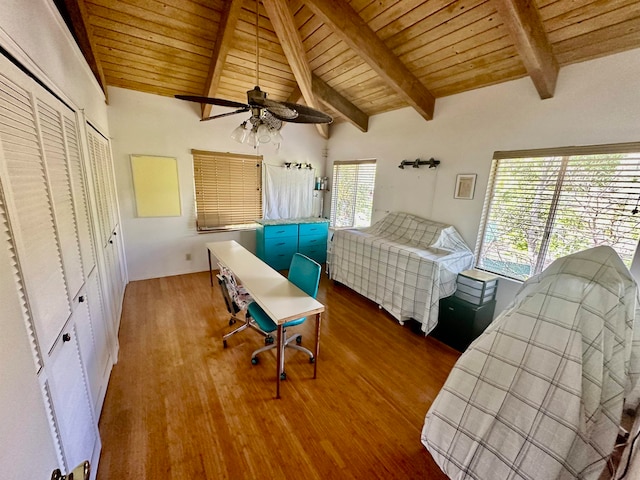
(228, 189)
(352, 197)
(544, 204)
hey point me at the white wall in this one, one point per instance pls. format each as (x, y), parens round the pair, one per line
(595, 102)
(33, 32)
(147, 124)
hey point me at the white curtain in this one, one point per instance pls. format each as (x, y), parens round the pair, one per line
(288, 192)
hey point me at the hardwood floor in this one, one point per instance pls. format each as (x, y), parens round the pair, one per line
(179, 405)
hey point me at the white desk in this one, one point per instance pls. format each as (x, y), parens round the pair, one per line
(278, 297)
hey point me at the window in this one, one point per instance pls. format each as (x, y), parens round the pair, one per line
(545, 204)
(352, 198)
(228, 189)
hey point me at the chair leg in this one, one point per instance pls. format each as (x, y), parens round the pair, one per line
(247, 322)
(254, 355)
(303, 349)
(289, 342)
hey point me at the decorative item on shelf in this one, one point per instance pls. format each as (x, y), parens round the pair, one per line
(433, 163)
(321, 183)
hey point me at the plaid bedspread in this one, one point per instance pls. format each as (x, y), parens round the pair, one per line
(403, 263)
(539, 395)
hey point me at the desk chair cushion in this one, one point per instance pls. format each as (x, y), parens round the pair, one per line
(263, 320)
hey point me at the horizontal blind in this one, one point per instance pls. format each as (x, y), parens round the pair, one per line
(352, 198)
(542, 208)
(228, 189)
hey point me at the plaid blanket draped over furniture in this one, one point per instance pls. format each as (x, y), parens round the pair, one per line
(403, 263)
(539, 395)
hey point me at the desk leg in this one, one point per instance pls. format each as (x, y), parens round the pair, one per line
(317, 351)
(210, 271)
(279, 359)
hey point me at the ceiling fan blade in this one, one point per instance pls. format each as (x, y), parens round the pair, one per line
(307, 114)
(240, 110)
(212, 101)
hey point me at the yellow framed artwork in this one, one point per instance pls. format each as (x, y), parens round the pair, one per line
(156, 187)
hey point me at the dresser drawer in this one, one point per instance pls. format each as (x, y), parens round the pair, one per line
(314, 229)
(279, 251)
(272, 231)
(309, 240)
(280, 244)
(317, 252)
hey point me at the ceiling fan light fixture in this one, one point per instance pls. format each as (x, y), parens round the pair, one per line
(263, 133)
(252, 138)
(276, 136)
(240, 133)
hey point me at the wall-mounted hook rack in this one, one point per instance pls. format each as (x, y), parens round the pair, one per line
(433, 163)
(299, 166)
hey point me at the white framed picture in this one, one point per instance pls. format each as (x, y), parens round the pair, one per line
(465, 186)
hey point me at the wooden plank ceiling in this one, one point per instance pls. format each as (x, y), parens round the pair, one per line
(350, 58)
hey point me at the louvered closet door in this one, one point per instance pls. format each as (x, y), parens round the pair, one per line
(93, 336)
(87, 249)
(101, 362)
(111, 243)
(97, 151)
(40, 255)
(35, 175)
(56, 160)
(69, 394)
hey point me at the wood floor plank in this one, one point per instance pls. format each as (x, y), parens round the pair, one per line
(179, 405)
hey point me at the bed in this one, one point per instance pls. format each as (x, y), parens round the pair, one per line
(540, 393)
(404, 263)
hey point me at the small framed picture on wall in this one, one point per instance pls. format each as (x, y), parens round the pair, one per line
(465, 186)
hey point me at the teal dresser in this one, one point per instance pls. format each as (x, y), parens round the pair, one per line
(278, 240)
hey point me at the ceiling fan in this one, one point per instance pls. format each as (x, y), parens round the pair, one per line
(263, 110)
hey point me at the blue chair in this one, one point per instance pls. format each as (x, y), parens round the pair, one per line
(304, 273)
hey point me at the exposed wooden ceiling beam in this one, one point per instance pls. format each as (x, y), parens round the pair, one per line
(344, 107)
(333, 99)
(84, 36)
(295, 95)
(284, 25)
(527, 32)
(224, 41)
(349, 26)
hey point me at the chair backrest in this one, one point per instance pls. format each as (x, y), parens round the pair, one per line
(226, 294)
(304, 273)
(235, 296)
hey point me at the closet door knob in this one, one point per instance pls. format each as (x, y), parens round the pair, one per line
(66, 337)
(111, 242)
(81, 299)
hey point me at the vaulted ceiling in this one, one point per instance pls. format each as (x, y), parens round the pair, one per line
(350, 58)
